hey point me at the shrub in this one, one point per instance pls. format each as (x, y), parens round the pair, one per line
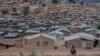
(4, 12)
(98, 27)
(33, 54)
(21, 54)
(25, 10)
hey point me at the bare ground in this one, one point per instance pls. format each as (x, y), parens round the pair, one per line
(49, 52)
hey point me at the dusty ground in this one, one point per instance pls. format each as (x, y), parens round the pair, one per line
(49, 52)
(61, 51)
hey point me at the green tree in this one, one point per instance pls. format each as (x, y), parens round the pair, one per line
(4, 12)
(25, 10)
(82, 3)
(98, 27)
(33, 54)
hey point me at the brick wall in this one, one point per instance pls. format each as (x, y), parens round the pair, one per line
(2, 47)
(76, 30)
(33, 42)
(19, 43)
(99, 43)
(78, 43)
(94, 33)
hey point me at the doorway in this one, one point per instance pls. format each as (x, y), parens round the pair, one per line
(84, 44)
(7, 46)
(95, 43)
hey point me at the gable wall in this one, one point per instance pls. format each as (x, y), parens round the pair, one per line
(33, 42)
(79, 43)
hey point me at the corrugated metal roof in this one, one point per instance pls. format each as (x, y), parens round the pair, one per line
(1, 32)
(98, 31)
(54, 33)
(7, 41)
(41, 34)
(11, 35)
(98, 38)
(90, 29)
(80, 35)
(59, 30)
(32, 31)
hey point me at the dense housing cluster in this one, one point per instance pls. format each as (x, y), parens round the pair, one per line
(52, 25)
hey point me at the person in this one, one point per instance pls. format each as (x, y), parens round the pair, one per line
(73, 51)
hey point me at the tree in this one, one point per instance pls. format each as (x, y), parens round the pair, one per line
(98, 26)
(4, 12)
(82, 3)
(25, 10)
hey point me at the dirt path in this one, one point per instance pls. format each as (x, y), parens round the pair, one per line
(82, 14)
(49, 52)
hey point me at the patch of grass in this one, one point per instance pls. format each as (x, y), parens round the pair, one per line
(33, 54)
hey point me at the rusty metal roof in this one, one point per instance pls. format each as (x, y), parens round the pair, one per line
(7, 41)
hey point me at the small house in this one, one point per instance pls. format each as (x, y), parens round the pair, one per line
(65, 32)
(40, 41)
(98, 33)
(76, 29)
(12, 35)
(32, 31)
(2, 33)
(53, 28)
(56, 33)
(98, 42)
(80, 40)
(91, 31)
(6, 43)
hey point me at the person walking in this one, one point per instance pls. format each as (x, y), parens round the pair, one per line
(73, 51)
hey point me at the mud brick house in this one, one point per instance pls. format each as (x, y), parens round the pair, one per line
(12, 1)
(65, 32)
(80, 40)
(3, 22)
(53, 28)
(47, 1)
(9, 43)
(12, 35)
(56, 33)
(98, 33)
(32, 31)
(60, 32)
(6, 43)
(98, 42)
(40, 41)
(19, 43)
(2, 33)
(91, 31)
(76, 29)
